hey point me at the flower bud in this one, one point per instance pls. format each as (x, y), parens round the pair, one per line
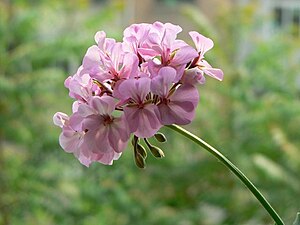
(160, 137)
(139, 160)
(140, 149)
(157, 152)
(134, 140)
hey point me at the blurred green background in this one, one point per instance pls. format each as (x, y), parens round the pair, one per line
(253, 117)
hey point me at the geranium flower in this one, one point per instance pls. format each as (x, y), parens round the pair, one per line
(105, 134)
(140, 112)
(176, 105)
(71, 138)
(203, 44)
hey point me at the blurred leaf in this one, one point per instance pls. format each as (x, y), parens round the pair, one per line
(297, 220)
(275, 171)
(198, 17)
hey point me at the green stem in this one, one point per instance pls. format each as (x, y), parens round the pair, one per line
(233, 168)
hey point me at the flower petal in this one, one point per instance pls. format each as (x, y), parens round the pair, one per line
(193, 76)
(213, 72)
(135, 89)
(104, 105)
(100, 39)
(60, 119)
(160, 84)
(70, 140)
(203, 44)
(184, 55)
(130, 66)
(143, 122)
(181, 106)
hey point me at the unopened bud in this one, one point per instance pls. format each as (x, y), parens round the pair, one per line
(139, 160)
(134, 140)
(160, 137)
(157, 152)
(140, 149)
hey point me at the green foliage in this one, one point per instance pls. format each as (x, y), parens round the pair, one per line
(297, 220)
(253, 116)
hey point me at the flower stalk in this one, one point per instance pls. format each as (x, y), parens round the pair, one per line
(233, 169)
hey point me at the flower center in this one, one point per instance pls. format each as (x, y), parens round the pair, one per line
(107, 119)
(165, 101)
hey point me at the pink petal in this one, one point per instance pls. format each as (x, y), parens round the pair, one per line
(135, 89)
(184, 55)
(131, 115)
(116, 55)
(186, 93)
(67, 81)
(153, 68)
(160, 84)
(108, 158)
(181, 107)
(92, 122)
(203, 44)
(59, 119)
(100, 39)
(130, 66)
(70, 140)
(170, 33)
(91, 60)
(147, 53)
(193, 76)
(97, 140)
(169, 116)
(177, 44)
(104, 105)
(115, 141)
(175, 29)
(120, 123)
(118, 134)
(140, 31)
(84, 160)
(213, 72)
(143, 122)
(75, 106)
(75, 121)
(85, 110)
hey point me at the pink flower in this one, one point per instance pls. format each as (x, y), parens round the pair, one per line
(203, 44)
(83, 133)
(136, 36)
(104, 44)
(71, 139)
(132, 87)
(177, 58)
(171, 52)
(140, 112)
(106, 135)
(177, 105)
(81, 86)
(111, 63)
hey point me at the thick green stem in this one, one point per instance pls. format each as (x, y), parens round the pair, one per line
(233, 169)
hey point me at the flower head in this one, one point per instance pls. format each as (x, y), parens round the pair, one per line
(133, 87)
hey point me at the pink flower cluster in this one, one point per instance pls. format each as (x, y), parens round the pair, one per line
(132, 87)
